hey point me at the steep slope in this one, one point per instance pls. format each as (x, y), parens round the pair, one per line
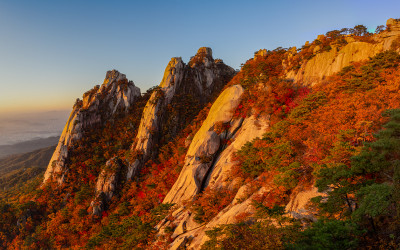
(98, 105)
(22, 167)
(204, 147)
(199, 79)
(27, 146)
(209, 164)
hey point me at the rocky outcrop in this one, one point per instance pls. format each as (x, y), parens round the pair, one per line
(209, 160)
(200, 78)
(298, 206)
(203, 149)
(109, 178)
(251, 128)
(391, 33)
(147, 135)
(327, 63)
(192, 235)
(98, 106)
(208, 163)
(106, 185)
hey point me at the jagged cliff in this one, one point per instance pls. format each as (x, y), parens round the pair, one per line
(98, 106)
(200, 79)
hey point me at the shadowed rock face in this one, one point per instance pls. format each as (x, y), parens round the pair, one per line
(106, 185)
(98, 106)
(200, 78)
(109, 178)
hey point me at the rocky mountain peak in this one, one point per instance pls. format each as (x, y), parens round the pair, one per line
(113, 76)
(98, 106)
(392, 30)
(201, 78)
(393, 22)
(206, 156)
(205, 52)
(261, 53)
(203, 56)
(172, 74)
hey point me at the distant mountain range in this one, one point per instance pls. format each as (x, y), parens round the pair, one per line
(27, 146)
(20, 168)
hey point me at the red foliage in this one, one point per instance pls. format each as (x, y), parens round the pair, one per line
(92, 178)
(141, 195)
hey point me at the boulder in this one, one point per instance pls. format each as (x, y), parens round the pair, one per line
(106, 185)
(298, 206)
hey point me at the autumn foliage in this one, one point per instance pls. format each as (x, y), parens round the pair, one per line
(324, 135)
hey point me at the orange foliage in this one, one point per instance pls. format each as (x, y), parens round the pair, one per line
(327, 125)
(210, 202)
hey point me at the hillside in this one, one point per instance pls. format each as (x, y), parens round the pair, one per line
(297, 150)
(27, 146)
(18, 170)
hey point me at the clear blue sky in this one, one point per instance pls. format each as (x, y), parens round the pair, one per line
(51, 52)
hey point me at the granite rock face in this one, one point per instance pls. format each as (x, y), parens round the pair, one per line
(106, 185)
(249, 129)
(99, 105)
(203, 148)
(109, 178)
(298, 204)
(328, 63)
(209, 166)
(200, 78)
(313, 71)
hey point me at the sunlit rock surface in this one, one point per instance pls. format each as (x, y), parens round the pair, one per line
(205, 144)
(328, 63)
(200, 78)
(98, 106)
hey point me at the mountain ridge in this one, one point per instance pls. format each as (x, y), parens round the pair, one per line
(27, 146)
(216, 158)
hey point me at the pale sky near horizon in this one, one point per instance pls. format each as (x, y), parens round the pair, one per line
(51, 52)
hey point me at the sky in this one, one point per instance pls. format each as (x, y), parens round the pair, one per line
(51, 52)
